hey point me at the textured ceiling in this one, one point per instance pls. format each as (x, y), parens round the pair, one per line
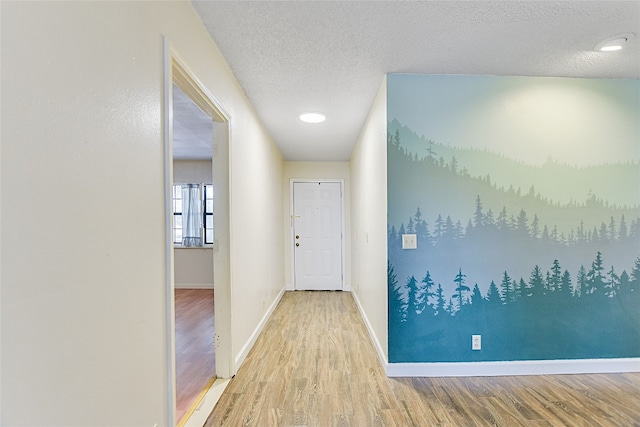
(331, 56)
(192, 129)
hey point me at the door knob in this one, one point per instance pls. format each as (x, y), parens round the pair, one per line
(297, 236)
(297, 244)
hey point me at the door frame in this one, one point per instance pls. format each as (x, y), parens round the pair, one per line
(342, 228)
(176, 71)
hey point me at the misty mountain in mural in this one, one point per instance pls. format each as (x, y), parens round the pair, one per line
(546, 272)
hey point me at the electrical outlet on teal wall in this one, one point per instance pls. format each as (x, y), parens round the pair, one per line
(524, 196)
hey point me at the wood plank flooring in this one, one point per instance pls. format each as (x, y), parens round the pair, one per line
(314, 365)
(195, 356)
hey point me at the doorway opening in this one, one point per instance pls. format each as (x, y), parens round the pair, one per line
(197, 245)
(192, 216)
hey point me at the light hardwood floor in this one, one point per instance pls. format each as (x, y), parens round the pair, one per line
(314, 365)
(195, 356)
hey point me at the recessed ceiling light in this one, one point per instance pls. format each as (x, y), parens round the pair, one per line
(313, 117)
(614, 43)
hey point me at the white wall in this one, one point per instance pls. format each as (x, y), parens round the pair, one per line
(192, 172)
(193, 267)
(369, 222)
(83, 309)
(256, 233)
(315, 170)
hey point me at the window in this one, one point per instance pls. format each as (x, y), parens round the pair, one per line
(193, 214)
(177, 214)
(208, 213)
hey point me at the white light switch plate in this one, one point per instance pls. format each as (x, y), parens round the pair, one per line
(409, 241)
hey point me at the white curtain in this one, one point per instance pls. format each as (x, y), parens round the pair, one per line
(191, 215)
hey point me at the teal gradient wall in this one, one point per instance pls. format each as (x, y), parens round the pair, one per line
(524, 195)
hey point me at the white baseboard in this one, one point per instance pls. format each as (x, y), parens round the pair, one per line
(374, 338)
(521, 367)
(193, 286)
(254, 336)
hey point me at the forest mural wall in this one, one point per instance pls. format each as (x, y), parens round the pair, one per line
(524, 194)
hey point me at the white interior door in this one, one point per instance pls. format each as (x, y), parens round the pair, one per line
(317, 231)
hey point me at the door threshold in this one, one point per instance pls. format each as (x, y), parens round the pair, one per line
(204, 408)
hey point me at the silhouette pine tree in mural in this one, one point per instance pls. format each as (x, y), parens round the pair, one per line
(535, 227)
(413, 305)
(478, 216)
(625, 284)
(521, 289)
(562, 240)
(430, 153)
(545, 239)
(521, 225)
(612, 283)
(581, 282)
(411, 229)
(604, 233)
(461, 289)
(595, 276)
(469, 229)
(566, 290)
(439, 230)
(547, 283)
(440, 301)
(489, 221)
(622, 232)
(427, 292)
(422, 229)
(449, 233)
(536, 283)
(503, 220)
(612, 230)
(580, 233)
(493, 295)
(458, 232)
(450, 307)
(555, 280)
(507, 289)
(476, 298)
(453, 166)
